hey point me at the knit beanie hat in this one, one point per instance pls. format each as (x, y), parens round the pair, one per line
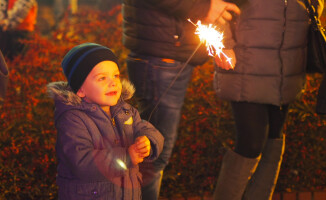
(80, 61)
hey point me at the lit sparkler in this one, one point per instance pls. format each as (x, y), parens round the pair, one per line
(212, 39)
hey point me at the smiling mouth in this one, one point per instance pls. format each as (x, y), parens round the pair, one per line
(111, 93)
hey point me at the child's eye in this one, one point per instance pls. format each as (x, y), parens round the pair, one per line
(102, 78)
(117, 76)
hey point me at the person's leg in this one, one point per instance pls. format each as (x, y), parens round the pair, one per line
(151, 77)
(73, 6)
(277, 117)
(251, 122)
(59, 8)
(4, 78)
(4, 43)
(263, 182)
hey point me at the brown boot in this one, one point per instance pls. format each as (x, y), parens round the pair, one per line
(263, 182)
(235, 172)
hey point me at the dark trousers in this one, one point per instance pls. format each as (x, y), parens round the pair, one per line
(151, 77)
(255, 123)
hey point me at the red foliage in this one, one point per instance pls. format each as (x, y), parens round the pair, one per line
(27, 133)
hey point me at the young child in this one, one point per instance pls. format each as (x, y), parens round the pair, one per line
(101, 139)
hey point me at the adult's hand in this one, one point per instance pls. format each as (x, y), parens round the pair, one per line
(223, 62)
(220, 11)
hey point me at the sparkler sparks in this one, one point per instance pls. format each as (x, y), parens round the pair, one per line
(212, 39)
(122, 164)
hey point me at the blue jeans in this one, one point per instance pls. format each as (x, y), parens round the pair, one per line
(151, 77)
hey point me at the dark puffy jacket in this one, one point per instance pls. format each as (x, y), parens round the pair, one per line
(93, 160)
(270, 46)
(161, 28)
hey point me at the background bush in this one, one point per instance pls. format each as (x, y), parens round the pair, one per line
(27, 133)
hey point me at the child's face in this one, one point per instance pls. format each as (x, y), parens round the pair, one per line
(102, 85)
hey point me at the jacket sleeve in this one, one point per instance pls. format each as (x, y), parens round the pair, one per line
(144, 128)
(18, 12)
(194, 9)
(75, 149)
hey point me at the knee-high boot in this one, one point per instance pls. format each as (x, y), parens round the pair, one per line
(263, 182)
(235, 172)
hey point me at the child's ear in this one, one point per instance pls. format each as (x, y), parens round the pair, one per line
(81, 93)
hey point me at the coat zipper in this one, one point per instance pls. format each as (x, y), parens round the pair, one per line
(284, 25)
(117, 134)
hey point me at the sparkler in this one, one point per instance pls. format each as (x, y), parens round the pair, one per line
(212, 39)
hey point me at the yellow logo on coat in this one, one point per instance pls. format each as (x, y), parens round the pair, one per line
(129, 121)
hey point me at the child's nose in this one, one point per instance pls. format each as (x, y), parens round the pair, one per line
(112, 82)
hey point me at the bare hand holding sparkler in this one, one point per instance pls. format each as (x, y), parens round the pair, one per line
(220, 12)
(213, 42)
(227, 62)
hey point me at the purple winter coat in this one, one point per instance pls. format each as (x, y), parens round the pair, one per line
(93, 160)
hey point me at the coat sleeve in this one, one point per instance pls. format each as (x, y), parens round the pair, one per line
(75, 150)
(144, 128)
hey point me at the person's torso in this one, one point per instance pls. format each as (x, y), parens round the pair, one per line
(271, 39)
(153, 31)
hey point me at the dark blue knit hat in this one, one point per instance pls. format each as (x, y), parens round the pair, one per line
(81, 59)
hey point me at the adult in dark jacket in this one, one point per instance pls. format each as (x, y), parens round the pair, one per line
(161, 40)
(98, 143)
(269, 42)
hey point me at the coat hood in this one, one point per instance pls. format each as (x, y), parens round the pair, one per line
(65, 99)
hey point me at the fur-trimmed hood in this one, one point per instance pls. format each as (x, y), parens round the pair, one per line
(66, 99)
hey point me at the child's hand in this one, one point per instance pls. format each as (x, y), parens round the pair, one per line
(139, 150)
(134, 155)
(143, 146)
